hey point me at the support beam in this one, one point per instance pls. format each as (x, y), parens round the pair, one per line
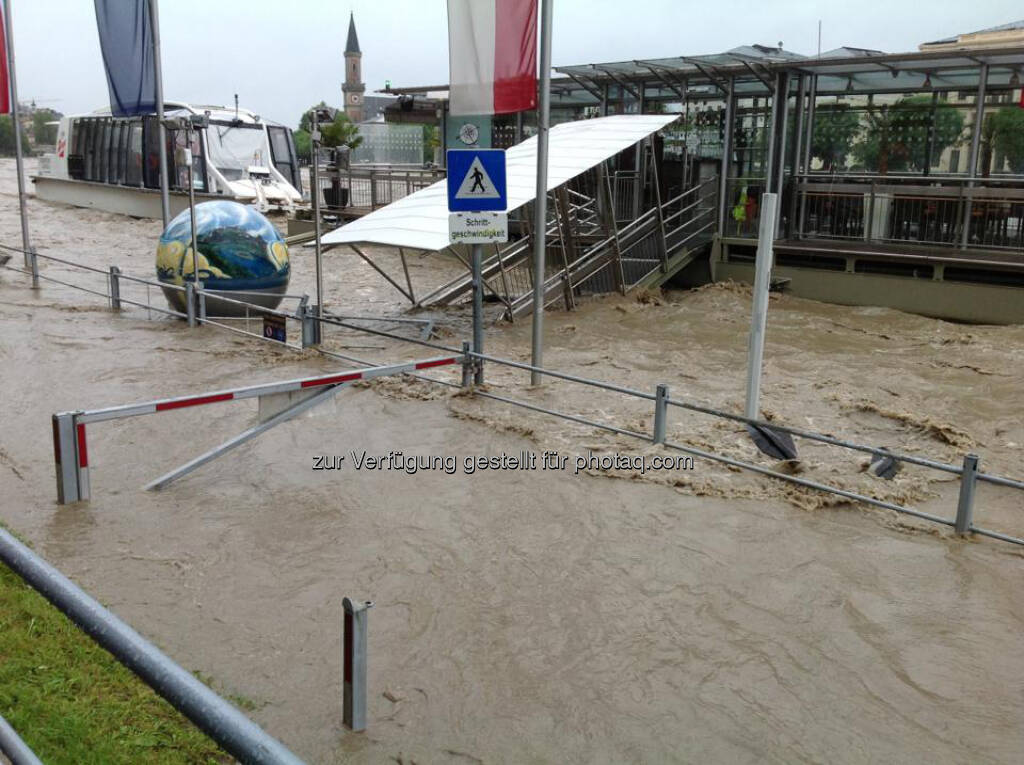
(241, 438)
(727, 139)
(972, 168)
(380, 271)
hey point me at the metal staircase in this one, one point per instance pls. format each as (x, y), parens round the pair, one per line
(588, 253)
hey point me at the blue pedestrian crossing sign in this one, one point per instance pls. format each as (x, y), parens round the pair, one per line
(476, 180)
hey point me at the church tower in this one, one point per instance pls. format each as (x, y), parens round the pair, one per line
(353, 87)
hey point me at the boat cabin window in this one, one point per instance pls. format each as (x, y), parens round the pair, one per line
(76, 161)
(282, 149)
(133, 158)
(235, 147)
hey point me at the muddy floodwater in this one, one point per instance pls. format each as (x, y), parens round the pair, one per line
(693, 615)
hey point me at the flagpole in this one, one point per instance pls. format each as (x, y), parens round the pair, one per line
(9, 39)
(165, 200)
(541, 203)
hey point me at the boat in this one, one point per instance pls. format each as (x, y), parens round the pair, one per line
(113, 163)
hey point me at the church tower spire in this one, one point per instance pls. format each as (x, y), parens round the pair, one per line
(353, 88)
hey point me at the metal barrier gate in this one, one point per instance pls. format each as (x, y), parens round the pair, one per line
(71, 455)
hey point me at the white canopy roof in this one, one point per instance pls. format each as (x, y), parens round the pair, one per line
(420, 220)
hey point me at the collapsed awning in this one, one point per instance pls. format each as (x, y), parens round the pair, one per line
(420, 220)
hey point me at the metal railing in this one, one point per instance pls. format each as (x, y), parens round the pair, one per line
(948, 212)
(370, 187)
(967, 472)
(236, 733)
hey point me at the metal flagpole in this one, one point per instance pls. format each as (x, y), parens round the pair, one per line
(25, 243)
(165, 200)
(759, 312)
(315, 194)
(541, 203)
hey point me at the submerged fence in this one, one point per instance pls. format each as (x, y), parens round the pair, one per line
(312, 329)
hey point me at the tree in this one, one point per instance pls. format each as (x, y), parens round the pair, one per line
(6, 136)
(41, 132)
(341, 132)
(1007, 126)
(303, 144)
(896, 137)
(835, 127)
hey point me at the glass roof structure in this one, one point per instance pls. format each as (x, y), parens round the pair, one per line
(752, 69)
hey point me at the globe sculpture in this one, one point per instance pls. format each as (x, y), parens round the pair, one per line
(240, 252)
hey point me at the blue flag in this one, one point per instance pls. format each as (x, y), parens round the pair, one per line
(126, 40)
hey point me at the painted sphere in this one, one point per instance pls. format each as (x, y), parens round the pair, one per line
(239, 250)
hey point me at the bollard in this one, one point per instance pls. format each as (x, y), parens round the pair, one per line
(115, 288)
(467, 365)
(354, 660)
(71, 458)
(190, 303)
(34, 265)
(660, 413)
(310, 326)
(965, 506)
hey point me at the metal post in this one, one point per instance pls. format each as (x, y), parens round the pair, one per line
(34, 267)
(769, 162)
(189, 159)
(354, 685)
(310, 326)
(236, 733)
(660, 412)
(467, 365)
(780, 159)
(541, 203)
(965, 505)
(808, 142)
(165, 194)
(16, 750)
(663, 247)
(727, 139)
(972, 168)
(759, 312)
(190, 303)
(798, 136)
(115, 288)
(65, 457)
(315, 191)
(478, 309)
(26, 244)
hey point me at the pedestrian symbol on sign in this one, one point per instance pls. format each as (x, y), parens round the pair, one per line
(477, 184)
(476, 180)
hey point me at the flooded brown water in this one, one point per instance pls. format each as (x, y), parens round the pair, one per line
(703, 615)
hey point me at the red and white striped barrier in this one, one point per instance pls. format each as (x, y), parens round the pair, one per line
(69, 440)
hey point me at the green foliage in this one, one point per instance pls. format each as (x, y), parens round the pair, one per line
(303, 144)
(41, 132)
(431, 140)
(896, 137)
(1007, 127)
(835, 127)
(341, 132)
(306, 120)
(72, 702)
(6, 135)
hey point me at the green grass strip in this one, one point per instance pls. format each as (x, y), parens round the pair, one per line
(72, 702)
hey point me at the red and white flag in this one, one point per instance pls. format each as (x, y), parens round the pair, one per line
(492, 53)
(5, 83)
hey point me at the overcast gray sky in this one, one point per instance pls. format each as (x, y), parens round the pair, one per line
(281, 57)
